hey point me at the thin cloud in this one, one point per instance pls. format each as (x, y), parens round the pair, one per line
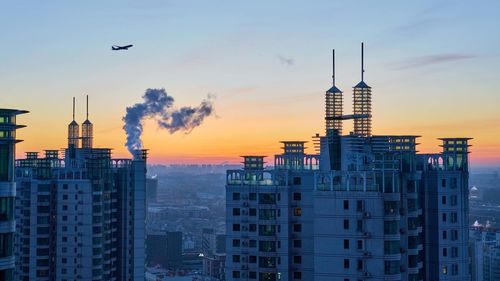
(285, 61)
(424, 61)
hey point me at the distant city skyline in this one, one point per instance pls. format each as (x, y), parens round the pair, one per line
(432, 66)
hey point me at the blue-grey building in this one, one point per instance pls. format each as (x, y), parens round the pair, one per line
(81, 213)
(8, 127)
(365, 207)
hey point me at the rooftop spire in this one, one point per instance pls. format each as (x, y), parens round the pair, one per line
(362, 61)
(87, 107)
(73, 108)
(333, 67)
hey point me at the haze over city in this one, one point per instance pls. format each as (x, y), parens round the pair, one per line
(432, 65)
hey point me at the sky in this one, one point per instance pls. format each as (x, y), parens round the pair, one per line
(432, 66)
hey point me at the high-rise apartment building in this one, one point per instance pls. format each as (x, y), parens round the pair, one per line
(366, 207)
(8, 127)
(81, 213)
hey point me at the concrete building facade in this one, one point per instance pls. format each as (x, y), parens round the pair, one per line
(81, 213)
(365, 207)
(8, 127)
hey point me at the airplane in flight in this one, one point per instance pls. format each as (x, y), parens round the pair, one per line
(117, 48)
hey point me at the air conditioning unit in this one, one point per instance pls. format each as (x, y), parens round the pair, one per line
(245, 204)
(367, 215)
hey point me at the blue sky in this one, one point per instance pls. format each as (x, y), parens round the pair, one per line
(432, 64)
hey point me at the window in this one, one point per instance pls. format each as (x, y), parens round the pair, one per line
(267, 214)
(391, 267)
(267, 262)
(359, 225)
(391, 227)
(391, 207)
(267, 246)
(444, 217)
(391, 247)
(454, 235)
(267, 230)
(297, 212)
(252, 275)
(236, 227)
(359, 245)
(445, 252)
(236, 211)
(267, 198)
(6, 208)
(346, 243)
(346, 224)
(346, 204)
(252, 196)
(297, 196)
(297, 227)
(236, 258)
(252, 259)
(236, 274)
(5, 156)
(443, 200)
(454, 269)
(454, 217)
(297, 275)
(252, 227)
(454, 252)
(252, 243)
(443, 182)
(252, 212)
(236, 197)
(346, 263)
(444, 270)
(297, 243)
(359, 265)
(445, 235)
(360, 206)
(236, 242)
(297, 259)
(6, 245)
(297, 180)
(453, 200)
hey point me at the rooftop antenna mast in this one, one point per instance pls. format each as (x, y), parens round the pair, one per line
(362, 61)
(333, 66)
(87, 107)
(73, 108)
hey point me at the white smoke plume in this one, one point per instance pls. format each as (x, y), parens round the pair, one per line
(158, 105)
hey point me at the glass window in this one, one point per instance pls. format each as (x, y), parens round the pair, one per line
(391, 247)
(6, 208)
(391, 227)
(267, 214)
(391, 267)
(391, 207)
(267, 246)
(5, 174)
(267, 262)
(267, 198)
(267, 230)
(6, 245)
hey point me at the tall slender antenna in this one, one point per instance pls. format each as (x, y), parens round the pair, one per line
(73, 108)
(333, 66)
(362, 61)
(87, 107)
